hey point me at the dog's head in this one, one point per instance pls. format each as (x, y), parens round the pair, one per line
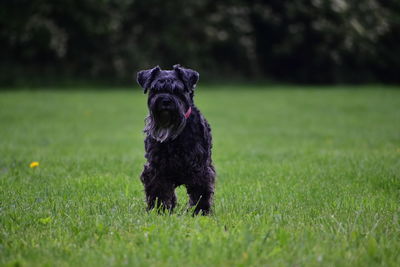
(170, 100)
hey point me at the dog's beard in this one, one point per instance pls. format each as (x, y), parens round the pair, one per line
(162, 129)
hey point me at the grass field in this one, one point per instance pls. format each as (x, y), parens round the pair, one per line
(306, 177)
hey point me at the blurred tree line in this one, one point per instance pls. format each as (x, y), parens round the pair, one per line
(306, 41)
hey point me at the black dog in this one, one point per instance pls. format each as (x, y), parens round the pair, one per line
(178, 141)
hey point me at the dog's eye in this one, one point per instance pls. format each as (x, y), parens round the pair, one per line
(179, 94)
(178, 91)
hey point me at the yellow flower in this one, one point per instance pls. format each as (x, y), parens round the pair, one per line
(34, 164)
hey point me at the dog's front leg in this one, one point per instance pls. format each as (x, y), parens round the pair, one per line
(160, 196)
(201, 198)
(160, 193)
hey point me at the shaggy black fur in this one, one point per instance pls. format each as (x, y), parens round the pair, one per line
(178, 141)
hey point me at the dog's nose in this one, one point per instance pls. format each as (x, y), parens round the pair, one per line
(165, 102)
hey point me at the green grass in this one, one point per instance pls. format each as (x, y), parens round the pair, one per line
(306, 177)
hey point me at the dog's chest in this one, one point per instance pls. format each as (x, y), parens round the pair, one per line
(179, 157)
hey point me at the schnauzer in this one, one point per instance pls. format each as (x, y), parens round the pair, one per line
(178, 141)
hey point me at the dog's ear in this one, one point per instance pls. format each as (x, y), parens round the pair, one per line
(145, 77)
(189, 77)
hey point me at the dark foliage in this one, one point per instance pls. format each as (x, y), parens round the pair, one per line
(300, 41)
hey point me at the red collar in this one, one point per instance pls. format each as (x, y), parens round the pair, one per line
(188, 112)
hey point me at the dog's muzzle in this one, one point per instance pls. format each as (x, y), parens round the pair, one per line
(165, 110)
(164, 102)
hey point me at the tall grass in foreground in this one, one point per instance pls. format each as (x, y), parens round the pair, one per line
(307, 177)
